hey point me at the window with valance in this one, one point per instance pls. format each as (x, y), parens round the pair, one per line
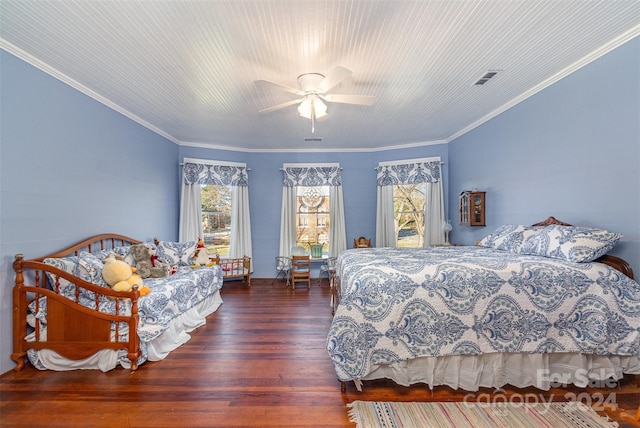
(410, 210)
(215, 206)
(312, 209)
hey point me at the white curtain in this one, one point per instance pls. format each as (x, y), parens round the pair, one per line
(197, 172)
(434, 215)
(310, 175)
(409, 172)
(240, 223)
(337, 230)
(190, 213)
(385, 224)
(288, 221)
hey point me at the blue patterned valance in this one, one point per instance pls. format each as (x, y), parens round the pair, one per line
(225, 175)
(310, 176)
(410, 173)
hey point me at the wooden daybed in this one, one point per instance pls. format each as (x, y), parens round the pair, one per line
(84, 325)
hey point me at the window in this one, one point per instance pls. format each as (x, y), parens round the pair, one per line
(408, 214)
(312, 209)
(210, 191)
(216, 217)
(410, 206)
(312, 216)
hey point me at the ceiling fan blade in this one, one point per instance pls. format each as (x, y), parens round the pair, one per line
(283, 105)
(350, 99)
(281, 87)
(335, 76)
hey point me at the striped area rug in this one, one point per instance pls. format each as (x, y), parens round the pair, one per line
(372, 414)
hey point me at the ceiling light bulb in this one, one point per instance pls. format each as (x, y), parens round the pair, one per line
(312, 105)
(320, 108)
(305, 108)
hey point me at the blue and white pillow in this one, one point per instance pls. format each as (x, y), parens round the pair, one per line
(89, 268)
(508, 237)
(125, 252)
(514, 241)
(572, 243)
(67, 264)
(176, 253)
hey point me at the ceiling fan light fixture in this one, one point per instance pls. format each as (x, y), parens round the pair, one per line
(312, 107)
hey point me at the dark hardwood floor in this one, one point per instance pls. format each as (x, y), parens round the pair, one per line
(259, 361)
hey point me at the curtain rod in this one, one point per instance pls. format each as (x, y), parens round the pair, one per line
(282, 169)
(376, 167)
(182, 164)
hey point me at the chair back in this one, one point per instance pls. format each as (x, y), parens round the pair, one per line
(283, 263)
(298, 251)
(300, 270)
(362, 242)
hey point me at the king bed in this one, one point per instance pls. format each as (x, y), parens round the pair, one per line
(533, 305)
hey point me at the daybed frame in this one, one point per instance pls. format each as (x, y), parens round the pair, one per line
(73, 331)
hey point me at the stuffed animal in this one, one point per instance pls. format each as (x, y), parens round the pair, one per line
(121, 277)
(148, 265)
(201, 256)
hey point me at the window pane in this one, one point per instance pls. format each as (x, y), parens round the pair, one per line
(312, 217)
(216, 217)
(408, 206)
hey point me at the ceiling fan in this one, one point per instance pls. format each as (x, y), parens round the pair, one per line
(313, 90)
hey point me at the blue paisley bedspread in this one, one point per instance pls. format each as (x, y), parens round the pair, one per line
(169, 298)
(399, 304)
(173, 296)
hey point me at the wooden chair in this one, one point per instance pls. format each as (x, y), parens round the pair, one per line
(300, 270)
(362, 242)
(298, 251)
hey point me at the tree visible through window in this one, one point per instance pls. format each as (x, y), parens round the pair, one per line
(408, 212)
(216, 217)
(312, 217)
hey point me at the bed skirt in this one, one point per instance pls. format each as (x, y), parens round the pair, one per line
(471, 372)
(176, 335)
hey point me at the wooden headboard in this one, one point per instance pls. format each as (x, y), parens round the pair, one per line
(613, 261)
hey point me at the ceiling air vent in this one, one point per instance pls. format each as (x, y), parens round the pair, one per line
(312, 139)
(488, 76)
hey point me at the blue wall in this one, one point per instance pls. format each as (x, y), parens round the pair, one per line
(72, 167)
(571, 151)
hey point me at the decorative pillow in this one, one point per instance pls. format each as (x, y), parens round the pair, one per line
(571, 243)
(67, 264)
(497, 238)
(121, 251)
(175, 253)
(89, 268)
(512, 242)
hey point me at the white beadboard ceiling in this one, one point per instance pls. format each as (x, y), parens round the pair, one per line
(189, 70)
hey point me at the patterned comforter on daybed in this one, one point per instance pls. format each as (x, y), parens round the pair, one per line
(169, 300)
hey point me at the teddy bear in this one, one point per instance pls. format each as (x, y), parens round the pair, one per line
(200, 256)
(121, 277)
(148, 265)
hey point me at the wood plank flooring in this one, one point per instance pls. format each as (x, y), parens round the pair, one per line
(260, 361)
